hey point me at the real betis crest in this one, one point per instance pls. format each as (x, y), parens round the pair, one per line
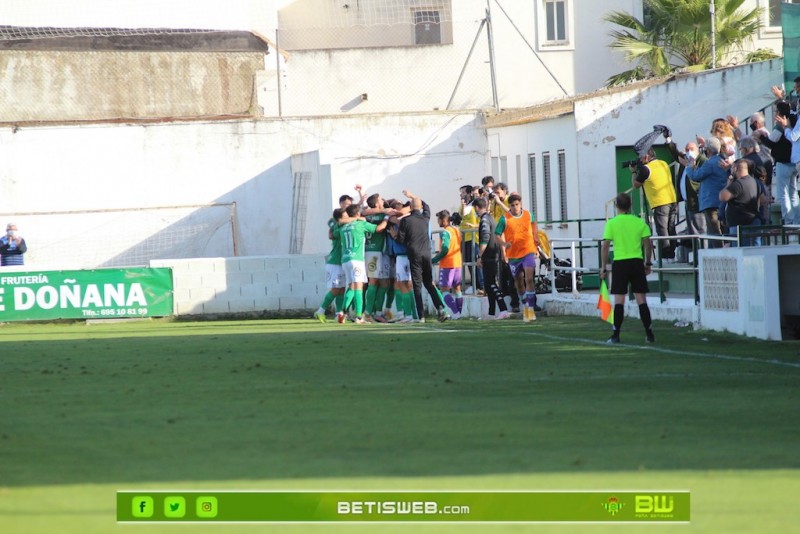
(613, 506)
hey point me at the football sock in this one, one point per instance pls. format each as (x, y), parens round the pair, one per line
(450, 300)
(326, 302)
(349, 295)
(359, 303)
(619, 315)
(380, 295)
(370, 299)
(644, 313)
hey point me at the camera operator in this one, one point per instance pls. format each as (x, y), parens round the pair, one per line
(655, 177)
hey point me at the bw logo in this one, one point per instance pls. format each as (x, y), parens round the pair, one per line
(659, 504)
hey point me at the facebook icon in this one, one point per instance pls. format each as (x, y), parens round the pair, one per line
(142, 506)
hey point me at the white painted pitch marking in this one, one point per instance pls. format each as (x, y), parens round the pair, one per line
(653, 348)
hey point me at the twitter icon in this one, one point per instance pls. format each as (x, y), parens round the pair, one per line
(174, 507)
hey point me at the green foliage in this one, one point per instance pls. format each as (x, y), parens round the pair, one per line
(677, 34)
(760, 54)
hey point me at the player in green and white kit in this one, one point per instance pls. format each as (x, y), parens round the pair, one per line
(352, 236)
(378, 262)
(334, 276)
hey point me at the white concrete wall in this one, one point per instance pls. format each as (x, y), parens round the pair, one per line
(255, 284)
(247, 284)
(85, 167)
(295, 284)
(743, 291)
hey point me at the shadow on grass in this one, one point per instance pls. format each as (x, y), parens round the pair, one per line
(292, 399)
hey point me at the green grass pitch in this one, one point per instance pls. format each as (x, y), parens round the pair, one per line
(293, 404)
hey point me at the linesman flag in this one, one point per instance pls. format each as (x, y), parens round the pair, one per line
(604, 304)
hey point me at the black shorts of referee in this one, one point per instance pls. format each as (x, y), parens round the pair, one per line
(624, 272)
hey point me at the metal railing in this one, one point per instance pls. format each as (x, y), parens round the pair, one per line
(580, 223)
(772, 235)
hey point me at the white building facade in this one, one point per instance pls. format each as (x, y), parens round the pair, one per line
(369, 57)
(374, 115)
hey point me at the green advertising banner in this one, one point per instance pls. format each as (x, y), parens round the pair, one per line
(95, 294)
(405, 506)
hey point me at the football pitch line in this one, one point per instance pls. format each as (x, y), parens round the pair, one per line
(651, 348)
(662, 350)
(421, 329)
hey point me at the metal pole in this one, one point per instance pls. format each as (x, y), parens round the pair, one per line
(464, 68)
(713, 35)
(574, 272)
(278, 71)
(490, 35)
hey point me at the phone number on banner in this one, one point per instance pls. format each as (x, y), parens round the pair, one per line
(115, 312)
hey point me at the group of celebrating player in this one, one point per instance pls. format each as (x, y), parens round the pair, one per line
(386, 245)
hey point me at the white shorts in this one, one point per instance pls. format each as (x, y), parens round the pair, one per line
(378, 265)
(354, 272)
(334, 276)
(403, 268)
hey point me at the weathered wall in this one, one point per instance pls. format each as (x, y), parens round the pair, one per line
(397, 79)
(96, 85)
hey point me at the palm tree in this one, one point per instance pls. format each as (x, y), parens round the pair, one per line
(676, 34)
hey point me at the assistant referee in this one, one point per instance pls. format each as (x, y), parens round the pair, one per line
(630, 236)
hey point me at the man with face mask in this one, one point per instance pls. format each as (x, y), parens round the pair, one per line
(12, 247)
(686, 188)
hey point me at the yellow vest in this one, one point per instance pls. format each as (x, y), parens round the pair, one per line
(658, 188)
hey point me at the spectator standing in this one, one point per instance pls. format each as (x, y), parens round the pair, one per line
(12, 247)
(787, 188)
(687, 189)
(713, 178)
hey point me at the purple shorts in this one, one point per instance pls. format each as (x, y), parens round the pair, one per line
(449, 277)
(519, 265)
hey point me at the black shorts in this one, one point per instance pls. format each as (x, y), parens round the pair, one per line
(624, 272)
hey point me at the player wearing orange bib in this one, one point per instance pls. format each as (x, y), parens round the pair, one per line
(517, 231)
(450, 263)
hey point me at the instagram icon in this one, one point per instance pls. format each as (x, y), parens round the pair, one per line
(206, 507)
